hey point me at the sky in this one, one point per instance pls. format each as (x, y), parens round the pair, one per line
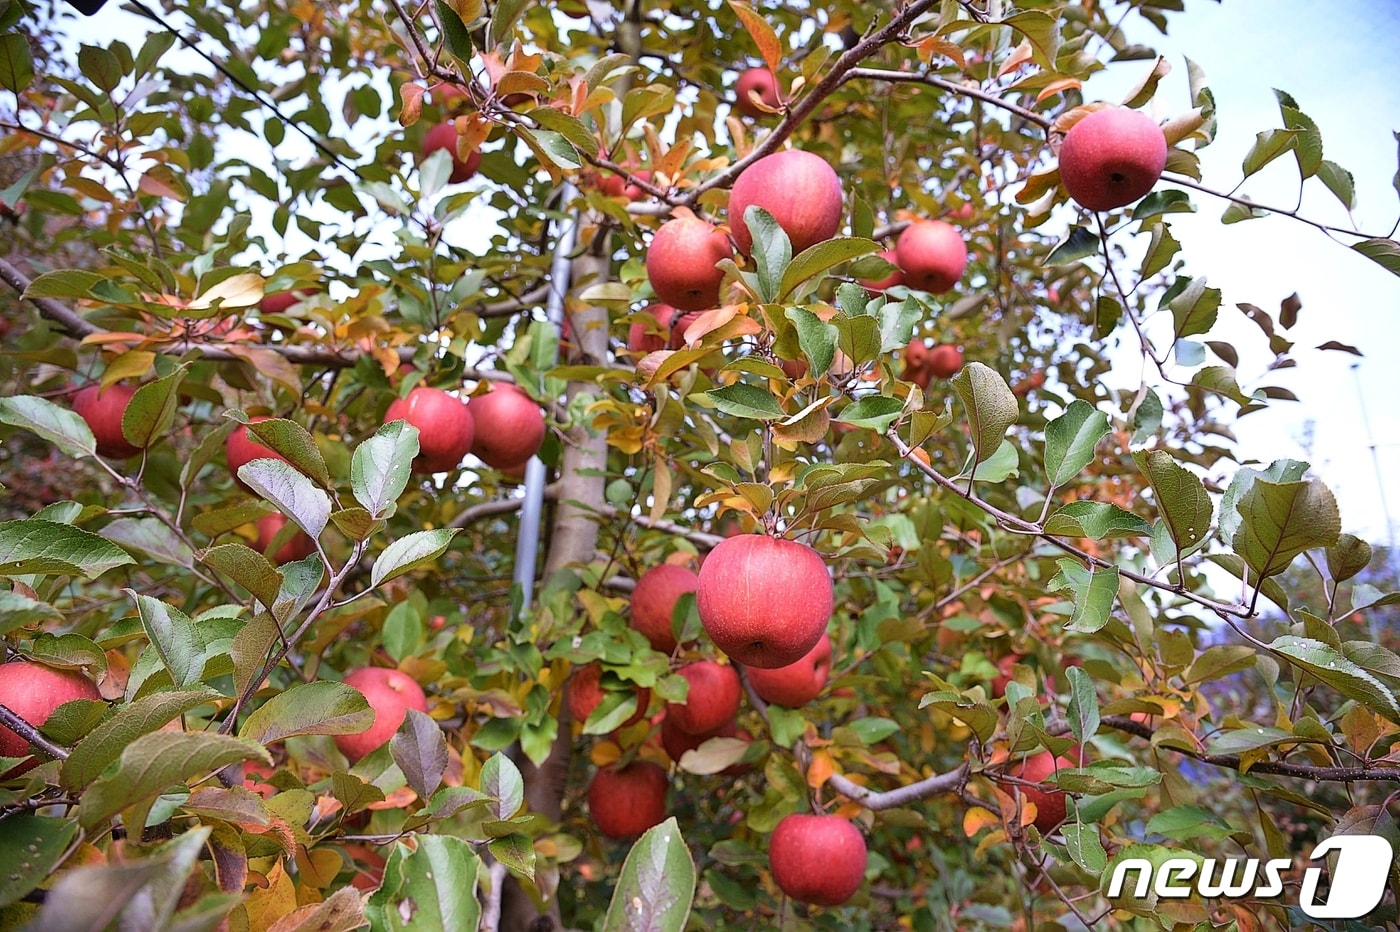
(1337, 59)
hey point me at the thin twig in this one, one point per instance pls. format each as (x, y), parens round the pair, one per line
(11, 720)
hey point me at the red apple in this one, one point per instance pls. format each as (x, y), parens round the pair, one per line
(279, 301)
(1110, 158)
(944, 361)
(798, 683)
(889, 281)
(654, 599)
(618, 186)
(676, 742)
(252, 772)
(32, 691)
(298, 547)
(760, 82)
(681, 263)
(626, 801)
(800, 190)
(509, 427)
(1004, 676)
(932, 255)
(641, 340)
(712, 701)
(390, 694)
(446, 427)
(242, 447)
(817, 859)
(1030, 383)
(765, 601)
(103, 410)
(916, 363)
(585, 693)
(444, 136)
(1050, 801)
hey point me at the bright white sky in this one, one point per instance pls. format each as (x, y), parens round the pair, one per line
(1338, 61)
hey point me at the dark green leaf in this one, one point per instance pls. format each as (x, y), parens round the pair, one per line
(420, 750)
(172, 634)
(1340, 673)
(16, 63)
(1195, 309)
(772, 252)
(656, 886)
(104, 743)
(292, 441)
(50, 548)
(58, 425)
(1219, 661)
(410, 552)
(1385, 252)
(30, 847)
(1181, 498)
(455, 34)
(320, 708)
(1070, 440)
(749, 401)
(1347, 557)
(990, 405)
(1094, 591)
(1097, 520)
(152, 409)
(429, 886)
(1083, 709)
(1281, 520)
(1079, 243)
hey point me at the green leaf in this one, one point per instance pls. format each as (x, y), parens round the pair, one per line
(100, 67)
(1339, 182)
(814, 260)
(403, 631)
(1097, 520)
(1242, 740)
(420, 750)
(1094, 591)
(1085, 848)
(1268, 145)
(248, 568)
(173, 635)
(1347, 557)
(873, 730)
(501, 780)
(859, 338)
(42, 547)
(1180, 495)
(656, 886)
(749, 401)
(152, 409)
(877, 412)
(990, 405)
(1195, 309)
(430, 886)
(58, 425)
(1281, 520)
(897, 322)
(19, 611)
(1083, 709)
(104, 743)
(516, 851)
(319, 708)
(293, 441)
(1070, 440)
(1283, 470)
(1219, 661)
(455, 34)
(381, 465)
(503, 18)
(70, 651)
(155, 762)
(1183, 823)
(1163, 202)
(1308, 150)
(1079, 243)
(1346, 677)
(1000, 466)
(152, 537)
(410, 552)
(16, 63)
(571, 129)
(292, 492)
(31, 846)
(1385, 252)
(551, 148)
(772, 252)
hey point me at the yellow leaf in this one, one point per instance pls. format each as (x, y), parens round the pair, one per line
(821, 769)
(976, 819)
(266, 905)
(243, 290)
(131, 365)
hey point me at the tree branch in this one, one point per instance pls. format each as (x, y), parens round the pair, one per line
(953, 87)
(900, 796)
(28, 732)
(699, 538)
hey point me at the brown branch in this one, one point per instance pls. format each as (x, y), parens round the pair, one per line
(900, 796)
(700, 538)
(502, 506)
(953, 87)
(1276, 768)
(1246, 202)
(69, 320)
(11, 720)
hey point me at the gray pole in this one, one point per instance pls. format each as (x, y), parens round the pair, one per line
(528, 543)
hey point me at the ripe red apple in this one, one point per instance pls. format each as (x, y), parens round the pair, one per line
(1050, 801)
(654, 599)
(944, 361)
(618, 186)
(676, 742)
(242, 447)
(889, 281)
(32, 691)
(446, 427)
(626, 801)
(390, 694)
(444, 136)
(641, 340)
(765, 601)
(1110, 158)
(817, 859)
(299, 547)
(800, 190)
(509, 427)
(758, 81)
(279, 301)
(932, 255)
(585, 692)
(1004, 677)
(681, 263)
(1031, 382)
(798, 683)
(103, 411)
(712, 701)
(915, 358)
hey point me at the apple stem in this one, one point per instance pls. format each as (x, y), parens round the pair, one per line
(28, 732)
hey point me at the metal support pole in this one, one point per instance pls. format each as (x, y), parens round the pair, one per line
(528, 543)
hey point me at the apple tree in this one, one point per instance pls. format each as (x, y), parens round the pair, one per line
(531, 465)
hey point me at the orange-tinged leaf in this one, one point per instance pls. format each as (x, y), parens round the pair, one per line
(151, 184)
(1058, 86)
(977, 818)
(267, 904)
(762, 33)
(821, 769)
(269, 363)
(115, 336)
(412, 107)
(937, 45)
(1019, 56)
(604, 753)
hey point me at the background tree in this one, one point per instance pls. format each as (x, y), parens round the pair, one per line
(342, 680)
